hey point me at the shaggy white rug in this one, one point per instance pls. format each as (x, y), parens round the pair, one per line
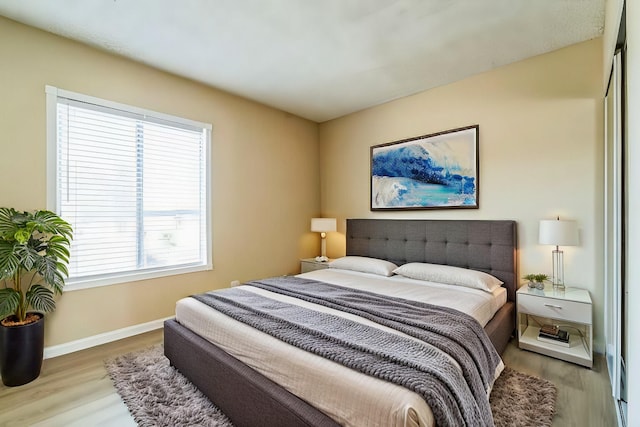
(158, 395)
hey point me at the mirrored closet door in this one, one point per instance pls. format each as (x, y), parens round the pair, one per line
(614, 232)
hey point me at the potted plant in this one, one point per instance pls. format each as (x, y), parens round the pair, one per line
(34, 253)
(536, 280)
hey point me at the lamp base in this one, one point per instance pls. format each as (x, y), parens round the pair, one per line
(558, 269)
(323, 248)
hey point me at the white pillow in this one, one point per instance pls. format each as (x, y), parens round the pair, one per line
(449, 275)
(364, 265)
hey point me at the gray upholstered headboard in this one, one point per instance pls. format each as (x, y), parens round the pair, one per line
(488, 246)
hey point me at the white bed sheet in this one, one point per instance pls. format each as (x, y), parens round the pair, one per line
(481, 305)
(349, 397)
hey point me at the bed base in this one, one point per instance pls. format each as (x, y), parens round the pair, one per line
(501, 327)
(245, 396)
(249, 398)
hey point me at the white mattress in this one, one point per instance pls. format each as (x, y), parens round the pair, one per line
(349, 397)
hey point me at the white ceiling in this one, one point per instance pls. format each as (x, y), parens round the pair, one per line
(319, 59)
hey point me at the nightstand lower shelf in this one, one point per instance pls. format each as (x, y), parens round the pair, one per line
(576, 352)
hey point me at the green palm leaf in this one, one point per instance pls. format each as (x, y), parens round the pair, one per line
(62, 268)
(49, 222)
(40, 298)
(47, 268)
(9, 301)
(58, 247)
(27, 256)
(9, 261)
(7, 226)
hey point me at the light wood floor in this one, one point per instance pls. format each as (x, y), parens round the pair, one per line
(584, 395)
(74, 390)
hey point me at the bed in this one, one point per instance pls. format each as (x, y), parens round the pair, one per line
(253, 396)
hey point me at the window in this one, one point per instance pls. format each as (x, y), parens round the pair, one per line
(134, 185)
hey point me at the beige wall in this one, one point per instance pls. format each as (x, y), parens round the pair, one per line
(541, 142)
(262, 201)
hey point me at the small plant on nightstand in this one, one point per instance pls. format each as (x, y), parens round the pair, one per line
(536, 280)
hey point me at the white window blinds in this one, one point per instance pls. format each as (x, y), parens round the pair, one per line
(133, 184)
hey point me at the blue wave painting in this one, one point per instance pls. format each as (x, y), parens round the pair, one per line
(427, 172)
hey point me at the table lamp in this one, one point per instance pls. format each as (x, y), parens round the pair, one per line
(558, 233)
(322, 226)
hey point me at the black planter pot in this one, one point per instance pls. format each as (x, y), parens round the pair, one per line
(21, 351)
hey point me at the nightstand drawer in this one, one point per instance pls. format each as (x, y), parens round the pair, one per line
(555, 308)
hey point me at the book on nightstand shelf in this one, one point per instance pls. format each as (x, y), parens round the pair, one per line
(554, 335)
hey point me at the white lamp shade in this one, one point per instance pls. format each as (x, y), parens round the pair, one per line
(322, 225)
(558, 232)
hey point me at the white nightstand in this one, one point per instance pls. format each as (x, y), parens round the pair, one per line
(570, 309)
(310, 264)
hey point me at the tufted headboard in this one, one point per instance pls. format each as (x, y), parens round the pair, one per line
(488, 246)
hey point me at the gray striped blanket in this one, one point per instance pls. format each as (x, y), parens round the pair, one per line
(456, 393)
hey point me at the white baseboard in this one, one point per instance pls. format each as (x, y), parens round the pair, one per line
(95, 340)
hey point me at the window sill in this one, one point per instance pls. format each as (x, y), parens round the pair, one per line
(76, 285)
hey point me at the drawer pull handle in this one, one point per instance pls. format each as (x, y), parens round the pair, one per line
(553, 306)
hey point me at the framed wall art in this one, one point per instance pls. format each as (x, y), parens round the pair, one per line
(437, 171)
